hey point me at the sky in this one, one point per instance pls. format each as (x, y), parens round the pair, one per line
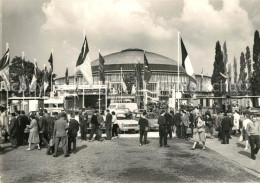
(38, 26)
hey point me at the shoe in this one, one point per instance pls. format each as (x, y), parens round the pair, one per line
(55, 156)
(66, 155)
(254, 157)
(69, 151)
(203, 148)
(246, 148)
(167, 146)
(192, 148)
(223, 143)
(74, 152)
(28, 149)
(160, 145)
(211, 137)
(140, 144)
(39, 148)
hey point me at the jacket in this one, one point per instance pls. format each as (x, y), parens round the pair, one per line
(94, 120)
(168, 119)
(226, 123)
(161, 121)
(73, 127)
(13, 127)
(60, 128)
(43, 125)
(108, 119)
(177, 119)
(185, 120)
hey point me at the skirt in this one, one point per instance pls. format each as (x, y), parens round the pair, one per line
(34, 138)
(199, 136)
(209, 130)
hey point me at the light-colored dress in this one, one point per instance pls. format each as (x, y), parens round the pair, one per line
(236, 122)
(199, 134)
(34, 133)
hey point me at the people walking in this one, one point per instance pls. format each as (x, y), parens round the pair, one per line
(60, 134)
(72, 133)
(199, 132)
(4, 124)
(43, 129)
(143, 129)
(169, 124)
(94, 125)
(83, 119)
(184, 124)
(253, 131)
(34, 133)
(162, 130)
(108, 125)
(244, 132)
(178, 123)
(236, 119)
(226, 124)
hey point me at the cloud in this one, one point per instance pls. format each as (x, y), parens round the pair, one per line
(113, 25)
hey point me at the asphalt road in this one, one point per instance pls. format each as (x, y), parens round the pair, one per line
(121, 160)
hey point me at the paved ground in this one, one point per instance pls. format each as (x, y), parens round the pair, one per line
(122, 160)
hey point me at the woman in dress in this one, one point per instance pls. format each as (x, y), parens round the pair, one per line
(34, 133)
(199, 132)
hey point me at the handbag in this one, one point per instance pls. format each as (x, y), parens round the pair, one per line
(188, 131)
(241, 138)
(27, 130)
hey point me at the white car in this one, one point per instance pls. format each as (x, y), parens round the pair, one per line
(126, 123)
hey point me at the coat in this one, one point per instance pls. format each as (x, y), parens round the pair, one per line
(60, 128)
(226, 123)
(43, 125)
(73, 127)
(108, 119)
(13, 127)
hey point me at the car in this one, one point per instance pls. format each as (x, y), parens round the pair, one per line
(152, 120)
(126, 123)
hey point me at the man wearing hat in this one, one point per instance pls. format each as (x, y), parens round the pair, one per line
(162, 129)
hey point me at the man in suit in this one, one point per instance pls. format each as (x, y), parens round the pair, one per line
(253, 131)
(169, 123)
(13, 127)
(59, 134)
(22, 122)
(178, 123)
(83, 119)
(108, 123)
(226, 124)
(43, 129)
(73, 130)
(94, 124)
(162, 129)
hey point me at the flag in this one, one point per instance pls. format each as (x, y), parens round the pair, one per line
(4, 69)
(202, 74)
(101, 69)
(133, 91)
(35, 77)
(84, 64)
(124, 87)
(67, 76)
(186, 63)
(22, 78)
(147, 71)
(138, 75)
(51, 61)
(45, 80)
(77, 88)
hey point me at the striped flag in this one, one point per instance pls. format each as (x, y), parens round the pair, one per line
(67, 76)
(51, 62)
(45, 79)
(84, 64)
(186, 63)
(4, 69)
(147, 71)
(101, 69)
(35, 77)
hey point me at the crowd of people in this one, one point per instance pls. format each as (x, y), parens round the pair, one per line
(42, 129)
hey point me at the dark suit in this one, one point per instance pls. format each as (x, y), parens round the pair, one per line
(59, 133)
(178, 124)
(13, 127)
(226, 124)
(169, 123)
(43, 131)
(94, 126)
(108, 125)
(83, 119)
(22, 122)
(73, 130)
(162, 130)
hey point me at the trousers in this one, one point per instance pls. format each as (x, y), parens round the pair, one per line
(225, 136)
(143, 134)
(169, 131)
(163, 135)
(72, 140)
(64, 142)
(44, 139)
(109, 131)
(254, 141)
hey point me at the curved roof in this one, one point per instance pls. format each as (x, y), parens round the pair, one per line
(133, 56)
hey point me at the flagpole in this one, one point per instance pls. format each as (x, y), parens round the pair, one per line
(7, 90)
(83, 97)
(75, 88)
(121, 85)
(23, 78)
(178, 84)
(44, 82)
(99, 100)
(106, 98)
(35, 70)
(51, 70)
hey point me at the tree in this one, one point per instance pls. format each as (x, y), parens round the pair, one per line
(129, 79)
(255, 79)
(242, 74)
(229, 73)
(217, 80)
(225, 57)
(248, 61)
(235, 70)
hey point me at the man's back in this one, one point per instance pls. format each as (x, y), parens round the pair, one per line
(108, 119)
(226, 123)
(73, 127)
(60, 127)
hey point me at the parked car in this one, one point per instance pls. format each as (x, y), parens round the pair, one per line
(126, 123)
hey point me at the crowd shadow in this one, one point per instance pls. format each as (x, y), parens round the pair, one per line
(6, 149)
(245, 153)
(81, 147)
(240, 145)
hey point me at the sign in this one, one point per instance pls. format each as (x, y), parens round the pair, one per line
(3, 86)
